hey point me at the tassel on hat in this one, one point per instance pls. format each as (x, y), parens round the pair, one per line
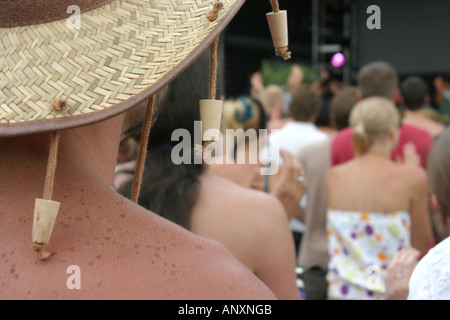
(45, 209)
(279, 30)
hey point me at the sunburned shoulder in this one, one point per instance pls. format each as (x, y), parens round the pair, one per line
(133, 254)
(186, 266)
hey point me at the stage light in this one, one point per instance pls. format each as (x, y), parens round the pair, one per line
(338, 60)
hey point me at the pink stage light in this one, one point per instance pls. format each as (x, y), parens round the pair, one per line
(338, 60)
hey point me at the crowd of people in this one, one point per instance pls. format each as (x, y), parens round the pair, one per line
(351, 198)
(368, 198)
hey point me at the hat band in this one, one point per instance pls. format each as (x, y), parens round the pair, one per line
(29, 12)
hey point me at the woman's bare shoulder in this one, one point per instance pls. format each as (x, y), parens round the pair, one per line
(338, 171)
(409, 173)
(223, 190)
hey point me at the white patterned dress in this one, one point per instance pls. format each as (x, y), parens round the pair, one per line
(361, 245)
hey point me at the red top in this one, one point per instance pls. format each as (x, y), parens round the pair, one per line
(342, 145)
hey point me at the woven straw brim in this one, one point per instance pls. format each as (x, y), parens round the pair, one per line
(121, 55)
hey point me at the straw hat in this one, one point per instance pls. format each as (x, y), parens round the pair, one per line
(60, 70)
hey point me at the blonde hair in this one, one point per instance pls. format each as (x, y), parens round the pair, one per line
(273, 96)
(372, 119)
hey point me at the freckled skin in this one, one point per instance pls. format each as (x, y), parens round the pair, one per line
(191, 268)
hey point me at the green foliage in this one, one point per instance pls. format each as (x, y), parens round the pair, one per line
(277, 72)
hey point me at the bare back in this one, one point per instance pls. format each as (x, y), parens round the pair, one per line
(370, 186)
(122, 251)
(374, 184)
(253, 226)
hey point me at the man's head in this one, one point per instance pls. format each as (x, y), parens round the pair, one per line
(378, 79)
(273, 98)
(439, 173)
(341, 107)
(305, 105)
(414, 92)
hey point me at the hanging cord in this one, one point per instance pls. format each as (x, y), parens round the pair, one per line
(51, 165)
(282, 51)
(142, 151)
(275, 6)
(213, 69)
(48, 189)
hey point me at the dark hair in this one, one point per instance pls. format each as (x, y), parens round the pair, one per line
(439, 172)
(323, 119)
(378, 79)
(414, 92)
(168, 189)
(342, 105)
(329, 79)
(305, 104)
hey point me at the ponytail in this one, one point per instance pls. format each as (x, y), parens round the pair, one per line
(360, 139)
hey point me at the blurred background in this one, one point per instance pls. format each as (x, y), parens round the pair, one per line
(413, 38)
